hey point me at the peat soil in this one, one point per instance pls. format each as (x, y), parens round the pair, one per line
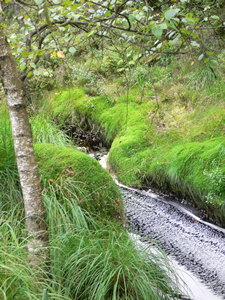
(87, 140)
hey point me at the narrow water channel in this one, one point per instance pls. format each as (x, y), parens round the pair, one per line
(196, 248)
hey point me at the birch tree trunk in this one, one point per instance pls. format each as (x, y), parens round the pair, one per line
(38, 243)
(0, 12)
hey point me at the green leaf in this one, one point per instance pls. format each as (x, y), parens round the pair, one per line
(36, 72)
(175, 40)
(206, 60)
(22, 66)
(45, 295)
(185, 31)
(75, 7)
(41, 11)
(209, 53)
(33, 65)
(131, 17)
(215, 17)
(159, 45)
(120, 70)
(189, 15)
(163, 26)
(212, 63)
(195, 35)
(38, 2)
(201, 57)
(108, 14)
(186, 20)
(40, 52)
(169, 14)
(67, 3)
(175, 19)
(90, 33)
(72, 50)
(157, 31)
(136, 56)
(25, 53)
(29, 74)
(172, 25)
(195, 44)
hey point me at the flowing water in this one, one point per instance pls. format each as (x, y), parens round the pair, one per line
(196, 248)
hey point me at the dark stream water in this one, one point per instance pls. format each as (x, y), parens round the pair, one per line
(197, 245)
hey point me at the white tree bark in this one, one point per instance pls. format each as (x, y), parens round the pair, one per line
(38, 244)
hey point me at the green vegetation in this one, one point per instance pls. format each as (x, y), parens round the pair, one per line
(76, 174)
(116, 68)
(44, 131)
(92, 256)
(175, 143)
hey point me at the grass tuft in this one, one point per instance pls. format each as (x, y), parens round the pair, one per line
(92, 256)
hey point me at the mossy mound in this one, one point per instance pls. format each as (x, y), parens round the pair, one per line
(152, 150)
(79, 176)
(69, 106)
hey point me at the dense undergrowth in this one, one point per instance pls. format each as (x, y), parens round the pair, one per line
(92, 256)
(166, 125)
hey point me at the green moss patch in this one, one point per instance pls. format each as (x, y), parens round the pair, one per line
(79, 176)
(169, 150)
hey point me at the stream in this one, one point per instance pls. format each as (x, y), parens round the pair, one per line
(195, 247)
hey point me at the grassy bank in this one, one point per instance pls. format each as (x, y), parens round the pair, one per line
(172, 137)
(91, 254)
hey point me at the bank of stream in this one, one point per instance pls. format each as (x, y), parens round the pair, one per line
(195, 247)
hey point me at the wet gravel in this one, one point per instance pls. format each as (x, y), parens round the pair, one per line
(196, 244)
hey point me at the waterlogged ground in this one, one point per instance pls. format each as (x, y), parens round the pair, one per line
(195, 245)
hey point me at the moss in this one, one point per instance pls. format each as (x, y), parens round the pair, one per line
(182, 168)
(67, 170)
(172, 146)
(81, 177)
